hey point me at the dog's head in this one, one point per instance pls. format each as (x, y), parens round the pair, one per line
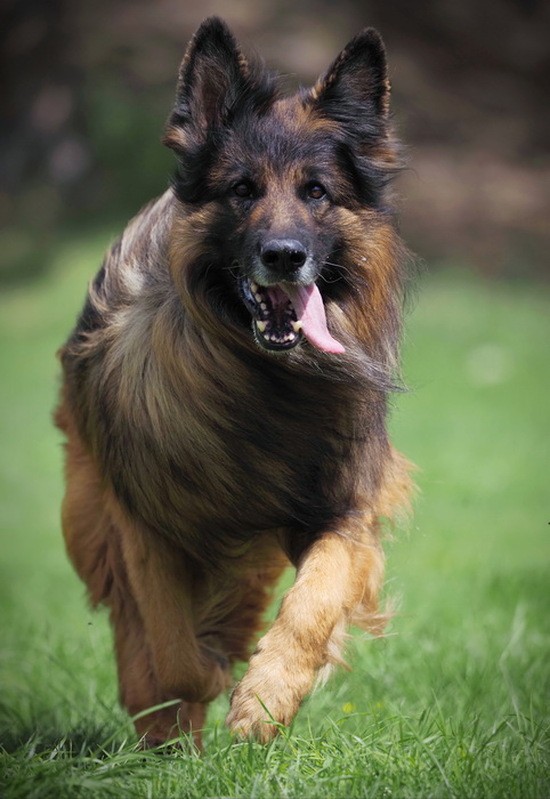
(281, 196)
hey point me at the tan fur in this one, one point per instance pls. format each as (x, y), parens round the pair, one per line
(348, 564)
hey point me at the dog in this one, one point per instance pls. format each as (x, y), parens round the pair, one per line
(226, 389)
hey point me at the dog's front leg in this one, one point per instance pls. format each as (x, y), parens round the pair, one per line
(337, 573)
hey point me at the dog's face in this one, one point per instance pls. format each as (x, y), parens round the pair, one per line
(274, 188)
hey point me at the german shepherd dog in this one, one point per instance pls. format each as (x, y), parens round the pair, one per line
(226, 390)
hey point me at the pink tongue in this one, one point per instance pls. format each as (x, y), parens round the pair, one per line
(310, 310)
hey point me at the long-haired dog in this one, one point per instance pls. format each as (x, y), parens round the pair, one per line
(226, 390)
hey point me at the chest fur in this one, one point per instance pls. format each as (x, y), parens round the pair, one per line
(228, 445)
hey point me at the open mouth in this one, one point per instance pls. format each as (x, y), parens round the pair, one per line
(274, 318)
(284, 313)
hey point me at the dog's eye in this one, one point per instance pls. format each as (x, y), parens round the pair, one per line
(315, 191)
(243, 189)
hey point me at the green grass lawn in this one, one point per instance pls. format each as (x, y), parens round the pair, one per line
(454, 702)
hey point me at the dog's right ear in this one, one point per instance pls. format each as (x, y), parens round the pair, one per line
(212, 76)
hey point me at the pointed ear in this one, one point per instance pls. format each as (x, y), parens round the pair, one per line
(357, 81)
(213, 74)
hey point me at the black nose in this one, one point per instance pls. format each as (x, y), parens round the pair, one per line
(283, 255)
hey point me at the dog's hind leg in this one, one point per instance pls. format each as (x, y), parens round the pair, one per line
(339, 571)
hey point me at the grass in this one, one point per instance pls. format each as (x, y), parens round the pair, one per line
(453, 703)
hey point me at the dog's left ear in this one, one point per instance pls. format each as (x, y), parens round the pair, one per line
(357, 81)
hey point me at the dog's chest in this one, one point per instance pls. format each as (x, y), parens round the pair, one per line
(240, 456)
(267, 462)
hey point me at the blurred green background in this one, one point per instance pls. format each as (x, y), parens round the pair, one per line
(85, 89)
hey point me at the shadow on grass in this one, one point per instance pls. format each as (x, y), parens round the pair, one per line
(48, 735)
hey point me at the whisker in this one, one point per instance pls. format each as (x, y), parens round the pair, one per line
(338, 266)
(326, 280)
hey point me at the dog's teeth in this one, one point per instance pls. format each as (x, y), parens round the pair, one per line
(263, 306)
(258, 297)
(296, 326)
(261, 326)
(253, 287)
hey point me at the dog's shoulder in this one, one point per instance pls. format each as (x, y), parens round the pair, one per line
(146, 235)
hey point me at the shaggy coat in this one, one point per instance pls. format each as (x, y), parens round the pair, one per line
(225, 392)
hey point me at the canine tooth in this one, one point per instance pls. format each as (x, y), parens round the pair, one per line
(254, 287)
(258, 296)
(297, 326)
(261, 326)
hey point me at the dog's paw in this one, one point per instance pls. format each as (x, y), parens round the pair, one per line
(250, 719)
(267, 697)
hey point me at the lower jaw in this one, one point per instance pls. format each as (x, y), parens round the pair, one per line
(275, 342)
